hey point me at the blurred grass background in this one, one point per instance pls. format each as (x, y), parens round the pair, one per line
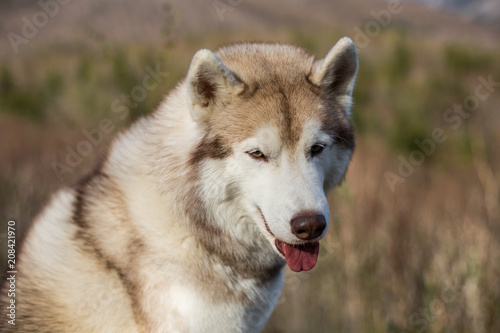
(423, 256)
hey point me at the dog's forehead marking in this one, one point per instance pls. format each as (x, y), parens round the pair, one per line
(268, 139)
(278, 110)
(278, 93)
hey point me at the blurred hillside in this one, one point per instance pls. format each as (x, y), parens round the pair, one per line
(415, 240)
(91, 21)
(484, 11)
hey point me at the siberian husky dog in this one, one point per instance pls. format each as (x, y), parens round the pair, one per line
(188, 223)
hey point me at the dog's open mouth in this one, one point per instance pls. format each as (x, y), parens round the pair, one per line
(299, 257)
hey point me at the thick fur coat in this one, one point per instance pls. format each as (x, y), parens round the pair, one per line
(189, 221)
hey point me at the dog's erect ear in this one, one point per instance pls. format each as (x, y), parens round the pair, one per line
(336, 73)
(210, 84)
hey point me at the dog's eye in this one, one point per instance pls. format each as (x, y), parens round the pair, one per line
(257, 154)
(316, 150)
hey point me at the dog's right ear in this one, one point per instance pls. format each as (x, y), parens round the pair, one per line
(336, 73)
(210, 84)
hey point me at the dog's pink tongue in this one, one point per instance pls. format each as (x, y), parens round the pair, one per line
(301, 257)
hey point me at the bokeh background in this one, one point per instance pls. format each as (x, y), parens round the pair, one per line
(415, 240)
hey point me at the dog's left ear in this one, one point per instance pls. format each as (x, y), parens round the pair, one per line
(210, 84)
(336, 73)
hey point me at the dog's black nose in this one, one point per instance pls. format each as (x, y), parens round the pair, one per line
(308, 226)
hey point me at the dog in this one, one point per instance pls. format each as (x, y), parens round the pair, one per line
(188, 223)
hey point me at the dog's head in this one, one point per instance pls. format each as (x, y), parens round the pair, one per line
(277, 137)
